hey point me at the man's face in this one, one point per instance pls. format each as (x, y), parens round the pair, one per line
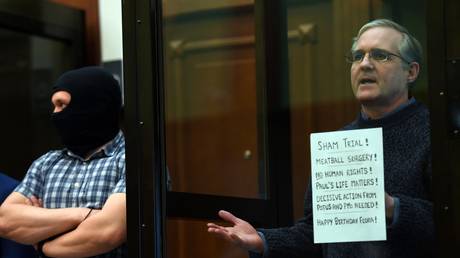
(377, 83)
(60, 100)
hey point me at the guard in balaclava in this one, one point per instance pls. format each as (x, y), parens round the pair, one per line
(72, 202)
(92, 117)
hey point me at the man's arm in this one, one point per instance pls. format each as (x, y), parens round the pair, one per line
(99, 233)
(29, 224)
(415, 222)
(295, 241)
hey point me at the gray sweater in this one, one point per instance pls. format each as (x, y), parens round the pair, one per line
(407, 162)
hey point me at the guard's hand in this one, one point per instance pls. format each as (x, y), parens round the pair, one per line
(34, 201)
(242, 234)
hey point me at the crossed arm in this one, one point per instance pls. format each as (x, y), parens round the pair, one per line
(99, 233)
(29, 224)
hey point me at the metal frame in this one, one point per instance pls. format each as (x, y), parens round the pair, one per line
(444, 209)
(143, 71)
(273, 79)
(437, 105)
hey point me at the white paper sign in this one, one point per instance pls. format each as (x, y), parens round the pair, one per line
(348, 186)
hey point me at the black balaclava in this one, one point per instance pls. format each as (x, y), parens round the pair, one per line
(92, 117)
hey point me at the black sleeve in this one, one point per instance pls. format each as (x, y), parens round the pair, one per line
(295, 241)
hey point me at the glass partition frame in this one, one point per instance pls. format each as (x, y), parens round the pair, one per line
(148, 202)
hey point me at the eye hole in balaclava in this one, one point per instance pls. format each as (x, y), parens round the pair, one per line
(92, 117)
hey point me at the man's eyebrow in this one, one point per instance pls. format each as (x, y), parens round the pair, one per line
(370, 49)
(380, 49)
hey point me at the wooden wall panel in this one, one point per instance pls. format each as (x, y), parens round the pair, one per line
(349, 16)
(321, 95)
(173, 8)
(190, 239)
(32, 58)
(213, 108)
(16, 130)
(92, 26)
(211, 112)
(302, 77)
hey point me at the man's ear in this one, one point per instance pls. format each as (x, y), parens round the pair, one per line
(414, 69)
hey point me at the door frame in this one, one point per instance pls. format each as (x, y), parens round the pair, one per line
(148, 202)
(445, 139)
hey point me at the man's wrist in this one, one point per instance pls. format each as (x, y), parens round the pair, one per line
(81, 215)
(395, 217)
(389, 211)
(264, 248)
(87, 215)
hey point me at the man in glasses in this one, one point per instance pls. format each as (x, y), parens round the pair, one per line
(385, 59)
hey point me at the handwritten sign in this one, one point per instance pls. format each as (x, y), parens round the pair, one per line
(348, 186)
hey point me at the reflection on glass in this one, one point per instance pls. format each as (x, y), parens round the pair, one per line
(212, 129)
(28, 68)
(321, 98)
(195, 241)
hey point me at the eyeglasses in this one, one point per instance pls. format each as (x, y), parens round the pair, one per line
(375, 54)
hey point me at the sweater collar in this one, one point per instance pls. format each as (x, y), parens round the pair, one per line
(411, 101)
(403, 112)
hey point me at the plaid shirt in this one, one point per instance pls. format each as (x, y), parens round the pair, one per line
(62, 180)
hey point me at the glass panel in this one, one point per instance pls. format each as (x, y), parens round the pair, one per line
(190, 239)
(28, 68)
(212, 128)
(320, 35)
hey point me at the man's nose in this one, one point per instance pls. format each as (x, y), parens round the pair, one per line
(367, 63)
